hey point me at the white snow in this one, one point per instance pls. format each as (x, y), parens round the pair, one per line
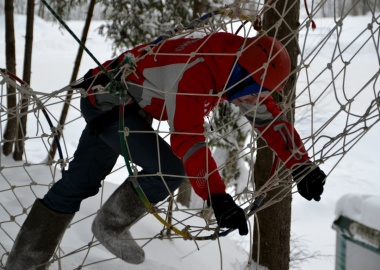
(362, 208)
(53, 57)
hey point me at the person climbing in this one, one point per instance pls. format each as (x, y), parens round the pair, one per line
(179, 80)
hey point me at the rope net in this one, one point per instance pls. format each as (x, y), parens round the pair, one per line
(333, 112)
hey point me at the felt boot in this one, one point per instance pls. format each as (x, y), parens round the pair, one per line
(38, 238)
(111, 224)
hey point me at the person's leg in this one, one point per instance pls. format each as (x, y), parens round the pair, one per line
(49, 217)
(37, 238)
(113, 220)
(93, 161)
(162, 171)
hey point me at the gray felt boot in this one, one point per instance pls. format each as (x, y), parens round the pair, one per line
(111, 224)
(38, 238)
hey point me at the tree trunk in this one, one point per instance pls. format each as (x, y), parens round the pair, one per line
(78, 59)
(10, 58)
(41, 10)
(275, 221)
(184, 193)
(272, 234)
(19, 149)
(200, 7)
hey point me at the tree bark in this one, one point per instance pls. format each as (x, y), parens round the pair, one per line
(10, 58)
(275, 221)
(184, 193)
(78, 59)
(41, 10)
(200, 7)
(23, 108)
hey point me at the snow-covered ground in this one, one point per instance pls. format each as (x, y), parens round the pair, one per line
(53, 57)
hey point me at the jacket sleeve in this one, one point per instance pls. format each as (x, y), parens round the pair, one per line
(188, 142)
(272, 125)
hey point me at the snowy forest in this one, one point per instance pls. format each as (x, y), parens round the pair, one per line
(106, 22)
(78, 8)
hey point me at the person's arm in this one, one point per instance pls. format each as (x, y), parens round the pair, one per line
(284, 140)
(188, 142)
(96, 81)
(279, 134)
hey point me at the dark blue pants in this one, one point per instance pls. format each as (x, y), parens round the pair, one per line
(96, 155)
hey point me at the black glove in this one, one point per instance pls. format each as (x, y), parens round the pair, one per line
(90, 81)
(310, 181)
(228, 214)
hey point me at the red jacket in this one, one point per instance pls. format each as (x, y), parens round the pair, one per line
(181, 81)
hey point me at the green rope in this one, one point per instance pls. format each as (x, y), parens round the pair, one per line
(115, 86)
(123, 144)
(73, 35)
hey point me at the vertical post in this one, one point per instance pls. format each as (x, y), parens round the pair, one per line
(24, 99)
(10, 53)
(275, 221)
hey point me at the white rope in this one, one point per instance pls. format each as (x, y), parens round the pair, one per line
(327, 61)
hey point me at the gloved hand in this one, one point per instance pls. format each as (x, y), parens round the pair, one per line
(228, 214)
(90, 81)
(310, 181)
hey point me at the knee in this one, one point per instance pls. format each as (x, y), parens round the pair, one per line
(175, 168)
(174, 182)
(174, 174)
(63, 197)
